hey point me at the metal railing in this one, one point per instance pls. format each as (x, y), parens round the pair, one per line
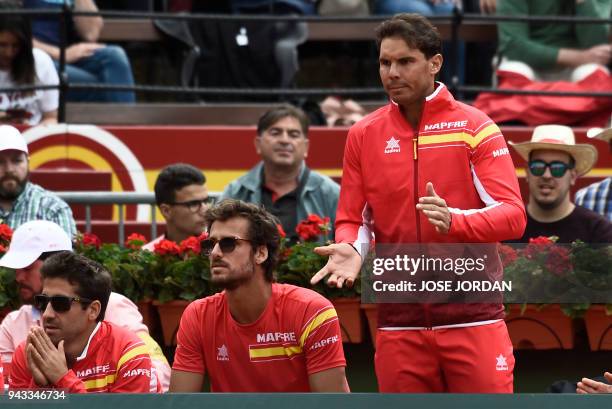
(120, 199)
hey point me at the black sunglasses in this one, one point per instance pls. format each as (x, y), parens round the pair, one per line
(226, 244)
(60, 303)
(193, 205)
(557, 169)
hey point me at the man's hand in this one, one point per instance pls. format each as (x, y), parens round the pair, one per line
(342, 266)
(50, 360)
(590, 386)
(81, 50)
(37, 374)
(436, 210)
(599, 54)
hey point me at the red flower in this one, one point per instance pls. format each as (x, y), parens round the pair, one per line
(537, 246)
(311, 227)
(2, 249)
(135, 241)
(507, 254)
(90, 239)
(558, 261)
(166, 247)
(281, 231)
(6, 233)
(190, 244)
(203, 236)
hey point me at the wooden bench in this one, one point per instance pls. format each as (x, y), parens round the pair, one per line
(117, 30)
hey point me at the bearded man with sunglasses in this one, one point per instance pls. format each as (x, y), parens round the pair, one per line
(257, 335)
(76, 349)
(182, 198)
(555, 161)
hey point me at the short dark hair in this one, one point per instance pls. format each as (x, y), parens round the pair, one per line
(22, 70)
(276, 114)
(415, 30)
(263, 227)
(175, 177)
(90, 278)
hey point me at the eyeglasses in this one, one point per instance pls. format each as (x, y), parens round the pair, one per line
(557, 169)
(193, 205)
(226, 244)
(60, 303)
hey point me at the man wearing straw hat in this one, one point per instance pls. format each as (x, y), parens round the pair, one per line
(598, 196)
(555, 161)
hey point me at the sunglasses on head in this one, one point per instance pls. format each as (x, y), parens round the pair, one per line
(557, 168)
(60, 303)
(226, 244)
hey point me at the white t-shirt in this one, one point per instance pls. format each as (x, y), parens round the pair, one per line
(41, 100)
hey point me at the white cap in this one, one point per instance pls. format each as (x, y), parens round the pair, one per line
(33, 238)
(11, 138)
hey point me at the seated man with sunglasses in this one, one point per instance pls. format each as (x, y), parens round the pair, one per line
(182, 198)
(555, 161)
(257, 335)
(32, 243)
(75, 349)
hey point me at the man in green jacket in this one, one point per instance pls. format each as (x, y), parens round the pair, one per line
(553, 51)
(282, 182)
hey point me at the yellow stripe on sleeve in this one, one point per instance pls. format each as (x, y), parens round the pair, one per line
(316, 322)
(139, 350)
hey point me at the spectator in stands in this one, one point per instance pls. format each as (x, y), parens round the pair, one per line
(281, 181)
(555, 161)
(591, 386)
(31, 245)
(21, 200)
(182, 198)
(553, 51)
(22, 65)
(551, 56)
(75, 343)
(88, 61)
(598, 196)
(256, 336)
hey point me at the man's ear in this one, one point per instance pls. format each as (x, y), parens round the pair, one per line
(573, 176)
(164, 208)
(93, 310)
(257, 143)
(436, 63)
(261, 254)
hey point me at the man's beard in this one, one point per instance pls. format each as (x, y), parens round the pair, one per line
(246, 272)
(12, 194)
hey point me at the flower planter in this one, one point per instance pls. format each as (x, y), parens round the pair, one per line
(599, 328)
(546, 328)
(349, 315)
(170, 316)
(371, 313)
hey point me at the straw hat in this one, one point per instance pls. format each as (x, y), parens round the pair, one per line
(559, 138)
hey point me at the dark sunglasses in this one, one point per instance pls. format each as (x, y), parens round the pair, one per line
(557, 169)
(60, 303)
(193, 205)
(226, 244)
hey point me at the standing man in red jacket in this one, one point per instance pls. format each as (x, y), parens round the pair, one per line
(427, 169)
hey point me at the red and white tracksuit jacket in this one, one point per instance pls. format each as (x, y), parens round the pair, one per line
(387, 165)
